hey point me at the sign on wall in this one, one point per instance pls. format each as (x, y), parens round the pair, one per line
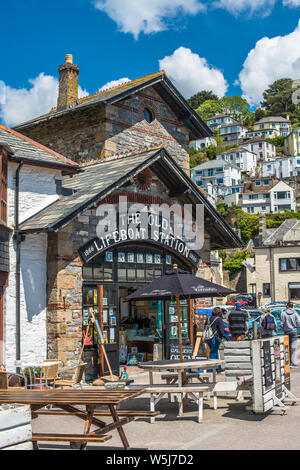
(98, 246)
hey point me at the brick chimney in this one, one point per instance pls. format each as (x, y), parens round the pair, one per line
(68, 83)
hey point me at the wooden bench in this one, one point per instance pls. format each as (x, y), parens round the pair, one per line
(157, 392)
(173, 378)
(126, 413)
(70, 437)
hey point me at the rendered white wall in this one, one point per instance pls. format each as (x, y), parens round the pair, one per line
(37, 190)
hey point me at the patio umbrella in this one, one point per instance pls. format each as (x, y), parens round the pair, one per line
(179, 284)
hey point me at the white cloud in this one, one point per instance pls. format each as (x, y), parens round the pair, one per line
(2, 92)
(236, 7)
(191, 73)
(22, 104)
(291, 3)
(270, 60)
(149, 16)
(114, 83)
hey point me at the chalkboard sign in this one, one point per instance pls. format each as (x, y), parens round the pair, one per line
(268, 364)
(278, 383)
(187, 352)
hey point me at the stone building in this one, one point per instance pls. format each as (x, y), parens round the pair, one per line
(276, 263)
(130, 142)
(148, 111)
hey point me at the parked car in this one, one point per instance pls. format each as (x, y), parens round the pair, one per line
(244, 299)
(281, 303)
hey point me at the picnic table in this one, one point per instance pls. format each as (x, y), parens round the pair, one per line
(178, 383)
(68, 401)
(181, 368)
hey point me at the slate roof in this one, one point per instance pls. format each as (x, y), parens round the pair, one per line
(96, 181)
(161, 84)
(92, 184)
(211, 164)
(277, 236)
(272, 119)
(31, 151)
(237, 149)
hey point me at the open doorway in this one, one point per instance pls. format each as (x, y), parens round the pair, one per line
(140, 328)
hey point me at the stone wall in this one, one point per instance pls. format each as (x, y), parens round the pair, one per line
(98, 132)
(64, 296)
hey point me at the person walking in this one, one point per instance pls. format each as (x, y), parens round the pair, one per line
(290, 322)
(238, 323)
(217, 326)
(268, 324)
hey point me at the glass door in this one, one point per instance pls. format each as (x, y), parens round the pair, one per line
(103, 301)
(171, 321)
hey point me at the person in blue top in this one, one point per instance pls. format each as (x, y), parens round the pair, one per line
(268, 325)
(217, 326)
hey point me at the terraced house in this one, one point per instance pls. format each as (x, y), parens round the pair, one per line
(129, 142)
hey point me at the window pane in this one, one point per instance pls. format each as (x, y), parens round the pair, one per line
(131, 274)
(292, 263)
(283, 264)
(122, 275)
(108, 274)
(87, 273)
(98, 273)
(149, 274)
(140, 274)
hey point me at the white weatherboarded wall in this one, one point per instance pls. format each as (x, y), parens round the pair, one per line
(15, 427)
(37, 190)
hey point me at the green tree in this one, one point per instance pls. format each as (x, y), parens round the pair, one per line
(200, 97)
(208, 109)
(236, 107)
(259, 114)
(233, 263)
(197, 157)
(277, 99)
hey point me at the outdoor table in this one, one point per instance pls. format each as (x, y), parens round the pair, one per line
(181, 367)
(66, 401)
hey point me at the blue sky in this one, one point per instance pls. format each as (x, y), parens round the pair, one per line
(200, 43)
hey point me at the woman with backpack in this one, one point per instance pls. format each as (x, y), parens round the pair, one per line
(217, 330)
(268, 325)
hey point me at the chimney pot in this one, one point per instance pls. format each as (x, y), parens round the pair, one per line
(69, 59)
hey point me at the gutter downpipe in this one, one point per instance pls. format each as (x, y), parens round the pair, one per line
(18, 238)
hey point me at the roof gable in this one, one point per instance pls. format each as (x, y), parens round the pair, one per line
(26, 149)
(102, 179)
(162, 85)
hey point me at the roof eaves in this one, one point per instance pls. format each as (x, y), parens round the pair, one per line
(65, 220)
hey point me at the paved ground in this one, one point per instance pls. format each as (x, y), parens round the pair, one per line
(229, 427)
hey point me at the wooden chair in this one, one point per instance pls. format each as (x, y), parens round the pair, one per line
(77, 379)
(51, 373)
